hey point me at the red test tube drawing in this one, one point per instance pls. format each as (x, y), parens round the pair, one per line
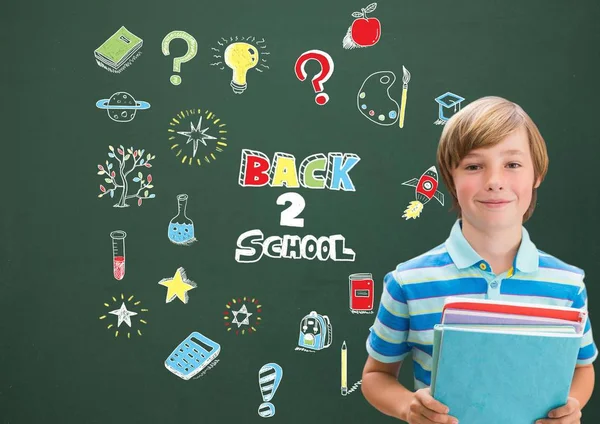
(118, 248)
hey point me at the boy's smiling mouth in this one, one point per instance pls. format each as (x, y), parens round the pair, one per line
(494, 203)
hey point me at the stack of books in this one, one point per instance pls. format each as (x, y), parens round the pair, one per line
(119, 51)
(499, 362)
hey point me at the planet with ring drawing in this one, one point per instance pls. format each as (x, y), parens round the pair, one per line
(121, 107)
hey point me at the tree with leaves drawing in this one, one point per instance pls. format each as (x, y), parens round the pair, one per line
(118, 179)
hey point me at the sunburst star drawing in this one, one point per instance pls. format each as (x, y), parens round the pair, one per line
(197, 134)
(125, 314)
(242, 315)
(242, 312)
(209, 130)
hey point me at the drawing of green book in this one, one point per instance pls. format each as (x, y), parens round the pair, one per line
(119, 51)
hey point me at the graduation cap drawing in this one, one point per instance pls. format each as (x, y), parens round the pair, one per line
(449, 104)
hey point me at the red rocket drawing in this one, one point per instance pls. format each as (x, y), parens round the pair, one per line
(425, 189)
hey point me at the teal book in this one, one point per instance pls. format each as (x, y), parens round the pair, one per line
(437, 339)
(499, 377)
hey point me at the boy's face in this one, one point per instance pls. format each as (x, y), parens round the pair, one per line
(494, 185)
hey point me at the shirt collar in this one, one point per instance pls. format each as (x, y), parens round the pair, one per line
(464, 256)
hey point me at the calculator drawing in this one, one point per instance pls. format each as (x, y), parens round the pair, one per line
(192, 355)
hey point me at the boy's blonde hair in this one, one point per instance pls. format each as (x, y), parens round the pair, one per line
(484, 123)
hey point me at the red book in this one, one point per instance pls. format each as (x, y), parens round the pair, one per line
(515, 308)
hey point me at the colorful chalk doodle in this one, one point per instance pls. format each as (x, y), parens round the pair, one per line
(117, 239)
(318, 80)
(241, 55)
(316, 171)
(362, 293)
(448, 105)
(181, 228)
(252, 246)
(316, 333)
(242, 315)
(289, 216)
(119, 51)
(124, 314)
(119, 180)
(405, 80)
(205, 128)
(192, 49)
(178, 286)
(345, 391)
(269, 378)
(425, 189)
(374, 101)
(121, 107)
(193, 355)
(364, 31)
(344, 369)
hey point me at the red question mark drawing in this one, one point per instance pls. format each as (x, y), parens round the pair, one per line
(318, 80)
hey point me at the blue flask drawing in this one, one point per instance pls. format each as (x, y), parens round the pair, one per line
(181, 228)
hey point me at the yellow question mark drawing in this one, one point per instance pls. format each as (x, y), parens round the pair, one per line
(191, 52)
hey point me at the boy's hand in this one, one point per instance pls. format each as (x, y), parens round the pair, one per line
(570, 413)
(424, 409)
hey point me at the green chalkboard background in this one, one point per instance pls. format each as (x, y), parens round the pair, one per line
(58, 361)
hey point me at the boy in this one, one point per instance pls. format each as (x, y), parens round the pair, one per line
(492, 159)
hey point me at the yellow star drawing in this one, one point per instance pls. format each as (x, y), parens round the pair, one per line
(178, 286)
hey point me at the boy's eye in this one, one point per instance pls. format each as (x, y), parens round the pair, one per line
(514, 165)
(472, 167)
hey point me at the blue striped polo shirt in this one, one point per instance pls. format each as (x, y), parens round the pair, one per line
(414, 294)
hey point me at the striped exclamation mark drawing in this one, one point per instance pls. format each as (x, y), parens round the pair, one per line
(269, 377)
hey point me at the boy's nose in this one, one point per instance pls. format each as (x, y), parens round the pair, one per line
(494, 181)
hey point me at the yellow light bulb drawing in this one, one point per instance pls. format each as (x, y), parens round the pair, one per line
(240, 57)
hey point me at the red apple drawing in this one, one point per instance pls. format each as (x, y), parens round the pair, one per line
(364, 31)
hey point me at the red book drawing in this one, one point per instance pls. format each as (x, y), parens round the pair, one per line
(361, 292)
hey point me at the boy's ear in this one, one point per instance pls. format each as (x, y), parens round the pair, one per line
(537, 182)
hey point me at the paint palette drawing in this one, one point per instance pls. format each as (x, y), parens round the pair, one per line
(374, 100)
(192, 355)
